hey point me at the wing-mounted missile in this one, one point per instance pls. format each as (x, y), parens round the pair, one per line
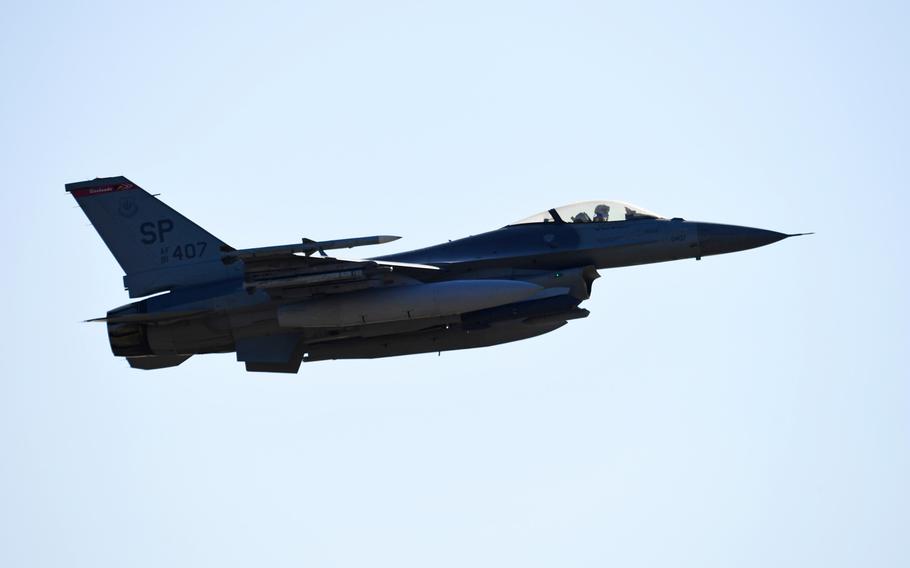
(306, 247)
(279, 269)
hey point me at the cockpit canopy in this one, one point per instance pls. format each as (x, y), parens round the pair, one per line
(592, 212)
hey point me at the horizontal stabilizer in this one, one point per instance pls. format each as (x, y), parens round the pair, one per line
(159, 317)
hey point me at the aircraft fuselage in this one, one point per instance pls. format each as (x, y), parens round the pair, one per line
(276, 306)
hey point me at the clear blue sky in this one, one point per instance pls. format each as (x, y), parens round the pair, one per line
(745, 410)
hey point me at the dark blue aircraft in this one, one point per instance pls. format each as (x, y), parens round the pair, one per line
(277, 306)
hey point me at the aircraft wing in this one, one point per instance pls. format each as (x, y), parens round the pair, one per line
(152, 318)
(291, 269)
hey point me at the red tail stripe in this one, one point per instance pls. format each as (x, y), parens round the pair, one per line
(89, 191)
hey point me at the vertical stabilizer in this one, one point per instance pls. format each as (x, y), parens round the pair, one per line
(157, 247)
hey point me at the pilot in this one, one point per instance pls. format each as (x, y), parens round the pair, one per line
(581, 218)
(601, 213)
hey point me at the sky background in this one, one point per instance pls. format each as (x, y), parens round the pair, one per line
(745, 410)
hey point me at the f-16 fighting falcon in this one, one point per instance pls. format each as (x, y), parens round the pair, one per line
(277, 306)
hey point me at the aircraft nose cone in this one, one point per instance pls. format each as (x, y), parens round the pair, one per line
(715, 238)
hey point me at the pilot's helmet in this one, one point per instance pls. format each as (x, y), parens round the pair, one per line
(601, 212)
(581, 218)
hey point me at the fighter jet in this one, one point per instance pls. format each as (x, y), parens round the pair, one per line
(277, 306)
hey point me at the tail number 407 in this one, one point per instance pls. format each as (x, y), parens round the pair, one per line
(186, 251)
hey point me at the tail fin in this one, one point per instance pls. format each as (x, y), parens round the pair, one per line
(144, 234)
